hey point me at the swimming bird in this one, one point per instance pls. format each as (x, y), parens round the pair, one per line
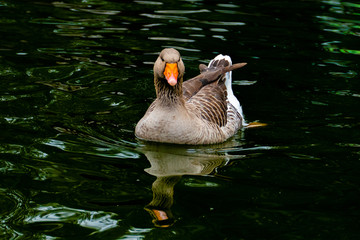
(201, 110)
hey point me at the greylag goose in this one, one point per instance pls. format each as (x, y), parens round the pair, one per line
(201, 110)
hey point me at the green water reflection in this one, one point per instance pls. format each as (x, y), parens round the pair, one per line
(75, 77)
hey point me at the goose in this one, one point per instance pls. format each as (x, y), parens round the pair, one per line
(201, 110)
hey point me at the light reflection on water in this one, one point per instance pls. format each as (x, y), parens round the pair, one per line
(76, 77)
(54, 213)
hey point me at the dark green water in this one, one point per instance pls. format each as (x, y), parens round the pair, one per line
(75, 77)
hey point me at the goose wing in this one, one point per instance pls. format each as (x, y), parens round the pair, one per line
(206, 93)
(207, 75)
(210, 104)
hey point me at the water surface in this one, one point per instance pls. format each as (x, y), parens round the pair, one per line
(76, 76)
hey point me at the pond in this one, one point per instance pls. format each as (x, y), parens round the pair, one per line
(76, 76)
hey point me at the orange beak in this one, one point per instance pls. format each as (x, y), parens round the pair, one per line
(171, 73)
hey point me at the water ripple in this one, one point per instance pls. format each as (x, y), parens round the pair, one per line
(148, 2)
(56, 213)
(171, 39)
(12, 210)
(342, 19)
(223, 23)
(168, 17)
(176, 12)
(105, 151)
(85, 8)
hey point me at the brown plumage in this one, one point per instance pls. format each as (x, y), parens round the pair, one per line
(196, 111)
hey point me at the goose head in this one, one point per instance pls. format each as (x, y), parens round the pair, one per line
(169, 70)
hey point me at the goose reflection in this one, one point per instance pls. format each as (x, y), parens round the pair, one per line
(169, 163)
